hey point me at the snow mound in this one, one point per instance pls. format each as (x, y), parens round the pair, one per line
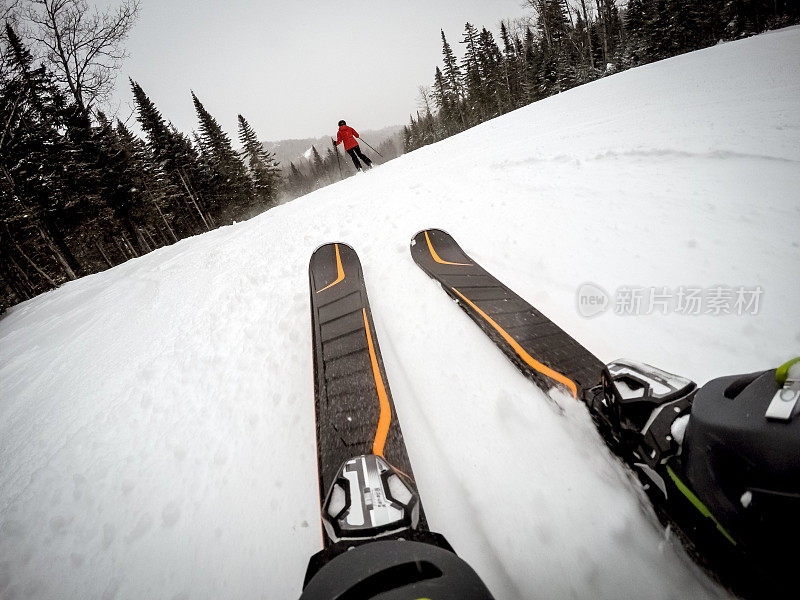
(157, 419)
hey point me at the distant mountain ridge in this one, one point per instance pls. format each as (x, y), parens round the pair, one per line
(292, 150)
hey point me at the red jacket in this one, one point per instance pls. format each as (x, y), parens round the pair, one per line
(347, 135)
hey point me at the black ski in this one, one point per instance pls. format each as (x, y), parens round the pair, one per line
(538, 347)
(720, 462)
(353, 404)
(375, 535)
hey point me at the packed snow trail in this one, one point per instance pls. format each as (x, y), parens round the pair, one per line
(157, 419)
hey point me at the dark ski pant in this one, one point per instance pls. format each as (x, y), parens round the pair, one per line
(355, 153)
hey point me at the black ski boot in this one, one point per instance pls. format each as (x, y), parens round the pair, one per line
(721, 462)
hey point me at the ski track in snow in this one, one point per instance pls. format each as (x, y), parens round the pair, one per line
(157, 421)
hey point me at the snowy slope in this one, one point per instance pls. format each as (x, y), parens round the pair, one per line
(157, 422)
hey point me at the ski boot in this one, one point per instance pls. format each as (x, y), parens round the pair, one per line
(372, 515)
(721, 462)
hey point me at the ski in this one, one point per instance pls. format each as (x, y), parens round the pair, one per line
(543, 351)
(720, 463)
(353, 403)
(375, 534)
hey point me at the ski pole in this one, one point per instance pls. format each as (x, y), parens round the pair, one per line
(336, 149)
(373, 149)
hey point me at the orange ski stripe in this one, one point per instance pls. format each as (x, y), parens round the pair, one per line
(385, 417)
(531, 362)
(439, 260)
(339, 270)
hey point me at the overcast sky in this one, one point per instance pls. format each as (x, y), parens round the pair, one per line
(294, 68)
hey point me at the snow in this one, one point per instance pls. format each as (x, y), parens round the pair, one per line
(678, 428)
(793, 373)
(746, 498)
(157, 419)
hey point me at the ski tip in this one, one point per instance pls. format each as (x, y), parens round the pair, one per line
(422, 238)
(330, 247)
(426, 246)
(430, 231)
(328, 263)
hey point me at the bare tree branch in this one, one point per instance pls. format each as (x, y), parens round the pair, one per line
(9, 10)
(424, 98)
(84, 48)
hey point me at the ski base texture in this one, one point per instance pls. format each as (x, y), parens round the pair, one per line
(538, 347)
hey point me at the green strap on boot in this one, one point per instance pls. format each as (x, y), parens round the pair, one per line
(783, 371)
(786, 399)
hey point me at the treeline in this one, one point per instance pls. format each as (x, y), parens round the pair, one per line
(567, 43)
(80, 193)
(319, 171)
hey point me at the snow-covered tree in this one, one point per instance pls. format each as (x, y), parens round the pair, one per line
(262, 166)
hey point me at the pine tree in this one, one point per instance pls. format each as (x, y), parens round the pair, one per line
(152, 123)
(317, 168)
(106, 170)
(230, 184)
(388, 149)
(151, 181)
(429, 124)
(473, 83)
(749, 17)
(298, 183)
(407, 142)
(415, 138)
(511, 69)
(556, 70)
(176, 155)
(532, 59)
(661, 30)
(445, 104)
(636, 28)
(25, 268)
(616, 35)
(452, 79)
(214, 138)
(36, 157)
(686, 29)
(330, 162)
(431, 130)
(263, 167)
(490, 61)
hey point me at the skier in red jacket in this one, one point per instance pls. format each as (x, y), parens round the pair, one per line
(348, 135)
